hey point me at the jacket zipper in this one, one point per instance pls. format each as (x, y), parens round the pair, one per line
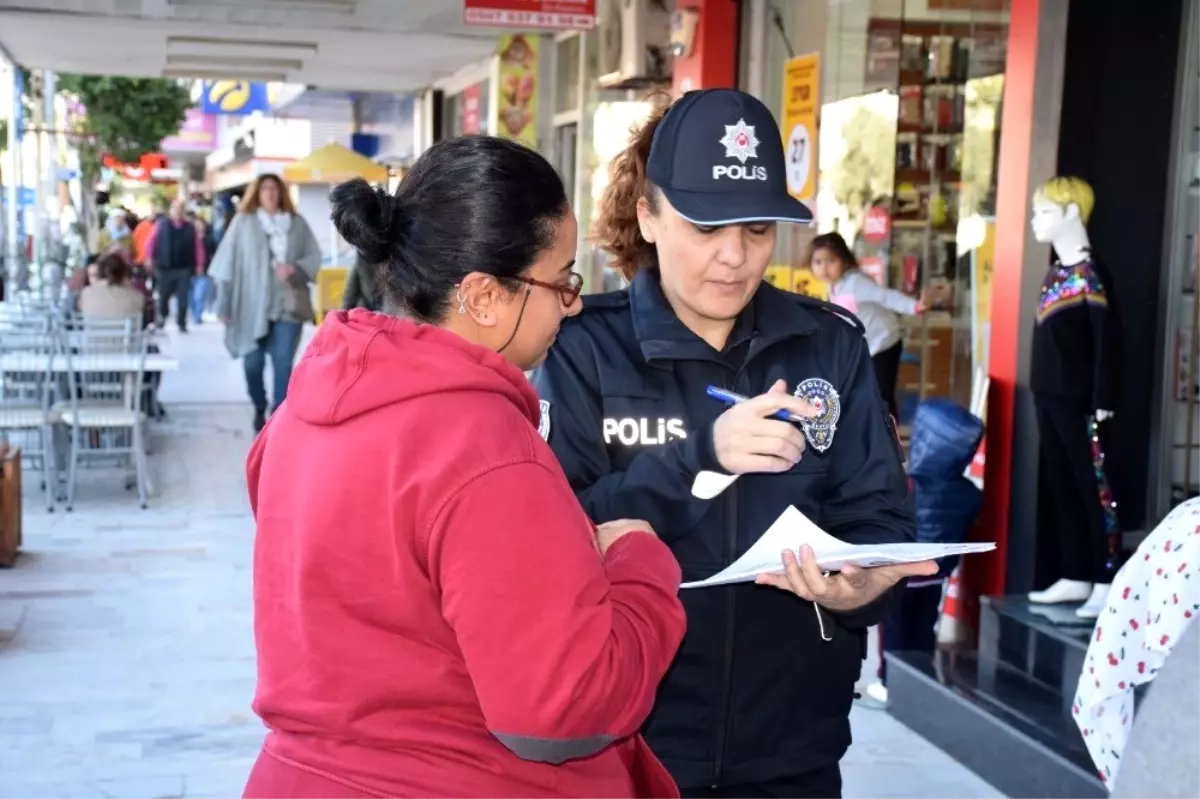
(723, 710)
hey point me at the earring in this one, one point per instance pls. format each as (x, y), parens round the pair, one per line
(462, 304)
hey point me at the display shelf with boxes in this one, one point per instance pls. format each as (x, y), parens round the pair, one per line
(948, 81)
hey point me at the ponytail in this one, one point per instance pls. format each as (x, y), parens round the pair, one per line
(616, 227)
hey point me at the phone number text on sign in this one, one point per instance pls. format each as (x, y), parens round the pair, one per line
(531, 14)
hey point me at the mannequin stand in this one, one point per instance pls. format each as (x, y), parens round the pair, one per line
(1092, 595)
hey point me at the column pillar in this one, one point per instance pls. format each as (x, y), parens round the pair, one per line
(712, 62)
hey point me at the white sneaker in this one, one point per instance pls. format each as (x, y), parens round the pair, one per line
(1094, 606)
(874, 697)
(1062, 591)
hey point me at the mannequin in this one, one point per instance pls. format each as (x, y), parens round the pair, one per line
(1073, 380)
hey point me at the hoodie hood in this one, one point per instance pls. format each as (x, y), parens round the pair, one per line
(361, 361)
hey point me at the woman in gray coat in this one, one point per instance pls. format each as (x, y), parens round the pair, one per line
(263, 270)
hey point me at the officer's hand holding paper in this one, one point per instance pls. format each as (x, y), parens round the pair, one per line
(793, 531)
(847, 590)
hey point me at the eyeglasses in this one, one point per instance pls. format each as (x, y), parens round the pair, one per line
(568, 292)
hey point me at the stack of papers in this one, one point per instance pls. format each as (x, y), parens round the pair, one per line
(793, 530)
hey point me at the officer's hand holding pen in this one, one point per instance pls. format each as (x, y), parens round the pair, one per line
(747, 440)
(850, 589)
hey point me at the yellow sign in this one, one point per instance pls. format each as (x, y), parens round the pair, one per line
(779, 276)
(801, 94)
(983, 261)
(514, 91)
(805, 282)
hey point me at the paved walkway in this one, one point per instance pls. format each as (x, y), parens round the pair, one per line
(126, 656)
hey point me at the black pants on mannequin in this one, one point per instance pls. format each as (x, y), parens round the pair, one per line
(1070, 475)
(823, 783)
(887, 372)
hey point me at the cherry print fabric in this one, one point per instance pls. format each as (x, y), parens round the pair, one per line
(1153, 599)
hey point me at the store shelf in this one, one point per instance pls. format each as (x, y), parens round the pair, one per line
(908, 127)
(928, 176)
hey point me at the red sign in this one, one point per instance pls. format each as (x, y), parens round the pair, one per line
(554, 15)
(878, 225)
(472, 110)
(139, 171)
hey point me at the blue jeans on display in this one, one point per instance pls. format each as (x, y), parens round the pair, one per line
(200, 295)
(280, 343)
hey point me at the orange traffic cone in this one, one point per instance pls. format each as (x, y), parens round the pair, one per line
(952, 627)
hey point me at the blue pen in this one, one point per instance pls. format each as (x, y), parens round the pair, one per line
(727, 396)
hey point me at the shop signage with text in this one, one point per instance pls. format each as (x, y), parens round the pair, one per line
(801, 90)
(531, 14)
(878, 225)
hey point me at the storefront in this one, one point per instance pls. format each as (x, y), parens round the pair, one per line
(936, 121)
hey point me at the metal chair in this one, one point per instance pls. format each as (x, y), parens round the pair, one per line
(103, 408)
(73, 323)
(26, 394)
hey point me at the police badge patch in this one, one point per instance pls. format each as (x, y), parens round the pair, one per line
(544, 419)
(824, 398)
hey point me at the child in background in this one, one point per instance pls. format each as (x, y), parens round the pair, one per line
(878, 308)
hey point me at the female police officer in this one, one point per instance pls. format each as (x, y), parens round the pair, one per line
(757, 702)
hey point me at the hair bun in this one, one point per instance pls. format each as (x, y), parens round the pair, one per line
(366, 218)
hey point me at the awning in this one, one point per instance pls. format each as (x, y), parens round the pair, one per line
(334, 163)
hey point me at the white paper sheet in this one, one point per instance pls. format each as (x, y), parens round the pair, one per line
(793, 530)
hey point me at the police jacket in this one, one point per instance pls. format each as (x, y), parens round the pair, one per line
(762, 685)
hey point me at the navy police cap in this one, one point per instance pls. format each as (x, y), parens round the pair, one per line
(718, 158)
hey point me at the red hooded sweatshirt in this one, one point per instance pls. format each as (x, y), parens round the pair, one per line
(432, 613)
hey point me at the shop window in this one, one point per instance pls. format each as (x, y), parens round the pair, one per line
(909, 124)
(566, 79)
(950, 92)
(467, 111)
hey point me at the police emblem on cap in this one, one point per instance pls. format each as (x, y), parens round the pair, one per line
(740, 141)
(824, 398)
(544, 419)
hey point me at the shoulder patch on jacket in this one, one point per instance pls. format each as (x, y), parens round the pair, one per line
(829, 307)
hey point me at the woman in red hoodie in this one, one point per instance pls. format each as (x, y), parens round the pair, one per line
(435, 615)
